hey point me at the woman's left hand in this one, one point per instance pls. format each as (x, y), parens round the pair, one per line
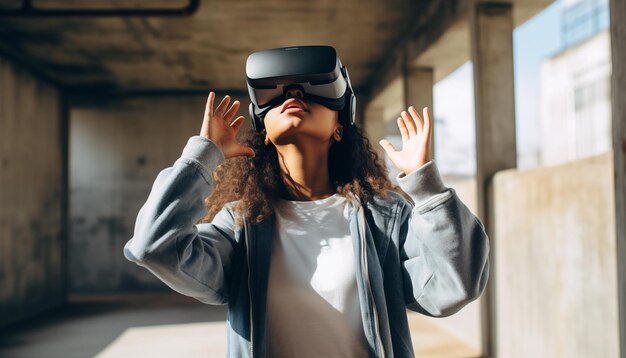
(416, 134)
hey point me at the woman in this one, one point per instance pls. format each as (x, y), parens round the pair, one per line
(303, 237)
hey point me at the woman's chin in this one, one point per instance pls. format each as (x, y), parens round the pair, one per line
(288, 123)
(298, 136)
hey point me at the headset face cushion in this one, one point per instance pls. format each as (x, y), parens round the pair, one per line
(265, 96)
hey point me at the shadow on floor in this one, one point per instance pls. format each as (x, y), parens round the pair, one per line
(165, 325)
(86, 325)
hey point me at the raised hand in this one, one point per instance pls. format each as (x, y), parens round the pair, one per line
(416, 134)
(217, 127)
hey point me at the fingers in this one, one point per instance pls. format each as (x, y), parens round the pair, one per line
(208, 110)
(403, 131)
(231, 111)
(387, 146)
(427, 121)
(409, 123)
(221, 108)
(221, 111)
(237, 123)
(418, 120)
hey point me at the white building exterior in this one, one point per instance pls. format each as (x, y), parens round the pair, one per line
(575, 102)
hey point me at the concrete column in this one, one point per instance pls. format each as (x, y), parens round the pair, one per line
(618, 90)
(418, 92)
(491, 27)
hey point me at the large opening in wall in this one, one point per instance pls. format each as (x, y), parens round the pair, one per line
(562, 83)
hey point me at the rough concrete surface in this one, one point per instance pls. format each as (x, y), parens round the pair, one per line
(117, 148)
(32, 247)
(556, 261)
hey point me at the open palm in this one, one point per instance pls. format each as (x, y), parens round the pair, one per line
(416, 135)
(219, 127)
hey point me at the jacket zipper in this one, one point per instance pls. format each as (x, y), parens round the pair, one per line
(245, 225)
(367, 279)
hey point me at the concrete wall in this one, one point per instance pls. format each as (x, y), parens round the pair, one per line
(32, 187)
(556, 261)
(117, 148)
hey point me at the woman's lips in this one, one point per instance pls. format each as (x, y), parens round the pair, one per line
(293, 103)
(294, 110)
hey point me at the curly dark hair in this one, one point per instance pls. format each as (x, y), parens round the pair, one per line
(256, 182)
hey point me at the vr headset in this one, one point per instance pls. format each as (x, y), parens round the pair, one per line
(316, 70)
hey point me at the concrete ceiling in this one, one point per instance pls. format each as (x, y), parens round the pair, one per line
(450, 50)
(206, 50)
(445, 47)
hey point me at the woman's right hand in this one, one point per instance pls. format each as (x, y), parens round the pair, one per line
(218, 128)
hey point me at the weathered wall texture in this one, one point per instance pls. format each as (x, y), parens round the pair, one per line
(32, 240)
(556, 261)
(117, 148)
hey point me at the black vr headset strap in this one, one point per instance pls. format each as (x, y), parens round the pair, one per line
(257, 122)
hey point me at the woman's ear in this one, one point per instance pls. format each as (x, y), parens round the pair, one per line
(338, 134)
(267, 139)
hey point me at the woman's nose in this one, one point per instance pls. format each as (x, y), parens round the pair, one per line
(294, 92)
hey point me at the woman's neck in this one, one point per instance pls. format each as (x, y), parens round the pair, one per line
(304, 171)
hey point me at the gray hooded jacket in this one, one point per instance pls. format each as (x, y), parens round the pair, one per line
(431, 257)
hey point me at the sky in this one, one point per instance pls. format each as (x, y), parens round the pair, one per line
(535, 40)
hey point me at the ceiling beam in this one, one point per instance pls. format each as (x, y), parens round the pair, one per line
(428, 26)
(28, 10)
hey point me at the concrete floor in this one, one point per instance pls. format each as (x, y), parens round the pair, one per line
(161, 325)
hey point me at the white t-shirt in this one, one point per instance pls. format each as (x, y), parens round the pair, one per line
(313, 306)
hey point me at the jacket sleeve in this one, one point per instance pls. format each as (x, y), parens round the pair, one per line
(443, 247)
(194, 260)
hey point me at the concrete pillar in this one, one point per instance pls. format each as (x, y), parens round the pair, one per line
(491, 28)
(618, 93)
(418, 92)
